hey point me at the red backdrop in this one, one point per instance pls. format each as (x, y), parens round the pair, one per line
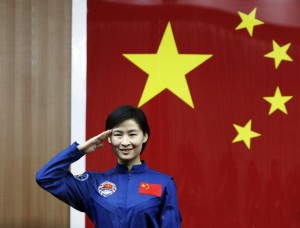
(220, 183)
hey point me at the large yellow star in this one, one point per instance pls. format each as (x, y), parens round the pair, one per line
(278, 101)
(248, 21)
(279, 53)
(245, 134)
(167, 69)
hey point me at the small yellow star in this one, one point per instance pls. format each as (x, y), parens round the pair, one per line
(248, 21)
(245, 134)
(279, 53)
(167, 69)
(278, 101)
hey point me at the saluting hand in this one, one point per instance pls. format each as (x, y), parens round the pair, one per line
(94, 143)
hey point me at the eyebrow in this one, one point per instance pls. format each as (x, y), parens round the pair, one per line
(120, 131)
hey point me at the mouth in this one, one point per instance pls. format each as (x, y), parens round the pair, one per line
(126, 151)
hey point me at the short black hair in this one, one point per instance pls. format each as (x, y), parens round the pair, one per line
(126, 112)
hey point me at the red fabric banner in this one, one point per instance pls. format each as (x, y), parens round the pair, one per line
(221, 91)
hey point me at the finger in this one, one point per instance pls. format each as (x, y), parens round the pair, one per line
(98, 144)
(104, 135)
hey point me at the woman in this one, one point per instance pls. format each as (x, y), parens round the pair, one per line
(129, 195)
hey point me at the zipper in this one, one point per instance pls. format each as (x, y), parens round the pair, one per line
(126, 199)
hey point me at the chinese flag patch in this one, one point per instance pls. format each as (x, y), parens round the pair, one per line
(150, 189)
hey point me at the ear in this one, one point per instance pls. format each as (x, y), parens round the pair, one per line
(145, 139)
(109, 140)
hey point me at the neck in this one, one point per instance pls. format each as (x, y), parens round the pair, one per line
(130, 164)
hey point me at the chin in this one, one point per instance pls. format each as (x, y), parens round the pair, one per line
(125, 157)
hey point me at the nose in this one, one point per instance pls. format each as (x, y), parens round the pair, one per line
(125, 141)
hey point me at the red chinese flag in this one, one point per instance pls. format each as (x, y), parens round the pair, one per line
(220, 87)
(150, 189)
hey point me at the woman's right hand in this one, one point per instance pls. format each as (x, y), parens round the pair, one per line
(94, 143)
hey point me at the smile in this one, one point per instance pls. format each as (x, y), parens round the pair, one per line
(126, 150)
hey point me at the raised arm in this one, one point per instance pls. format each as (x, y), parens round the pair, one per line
(56, 178)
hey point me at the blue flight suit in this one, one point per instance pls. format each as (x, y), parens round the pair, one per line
(116, 198)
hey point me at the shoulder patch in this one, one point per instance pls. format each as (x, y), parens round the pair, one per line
(82, 177)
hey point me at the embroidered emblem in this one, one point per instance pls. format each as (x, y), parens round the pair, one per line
(82, 177)
(107, 188)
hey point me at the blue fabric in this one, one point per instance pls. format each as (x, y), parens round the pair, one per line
(112, 198)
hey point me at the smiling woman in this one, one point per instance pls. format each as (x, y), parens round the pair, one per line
(127, 140)
(129, 195)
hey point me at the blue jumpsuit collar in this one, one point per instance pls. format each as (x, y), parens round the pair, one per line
(135, 168)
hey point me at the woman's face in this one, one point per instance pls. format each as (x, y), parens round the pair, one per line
(126, 140)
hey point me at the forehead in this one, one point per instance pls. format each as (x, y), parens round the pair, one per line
(129, 124)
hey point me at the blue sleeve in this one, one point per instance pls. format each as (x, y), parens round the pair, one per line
(170, 213)
(56, 178)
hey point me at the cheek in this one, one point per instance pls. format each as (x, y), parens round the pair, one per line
(137, 141)
(114, 141)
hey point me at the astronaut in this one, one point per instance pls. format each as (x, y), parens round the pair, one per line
(130, 194)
